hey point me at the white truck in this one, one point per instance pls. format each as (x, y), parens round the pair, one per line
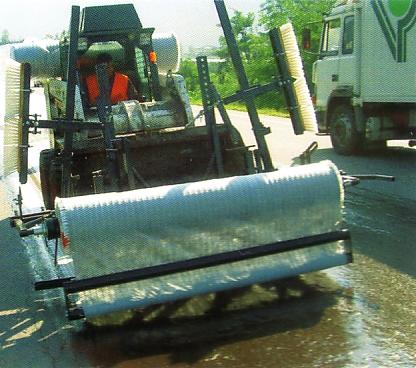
(365, 78)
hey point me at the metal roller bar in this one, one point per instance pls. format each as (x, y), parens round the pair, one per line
(253, 92)
(66, 125)
(29, 217)
(375, 177)
(51, 284)
(76, 286)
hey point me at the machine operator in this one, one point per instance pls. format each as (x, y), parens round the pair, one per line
(122, 88)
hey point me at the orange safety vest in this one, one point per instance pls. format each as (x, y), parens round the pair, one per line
(119, 92)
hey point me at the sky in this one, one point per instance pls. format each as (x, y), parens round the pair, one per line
(193, 21)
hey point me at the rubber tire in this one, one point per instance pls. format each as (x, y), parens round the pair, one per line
(377, 146)
(344, 136)
(49, 177)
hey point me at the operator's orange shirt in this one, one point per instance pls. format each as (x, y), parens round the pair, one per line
(119, 91)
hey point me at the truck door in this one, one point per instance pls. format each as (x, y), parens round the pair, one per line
(347, 66)
(325, 73)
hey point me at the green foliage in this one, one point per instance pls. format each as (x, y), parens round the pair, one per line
(301, 13)
(274, 13)
(189, 71)
(255, 48)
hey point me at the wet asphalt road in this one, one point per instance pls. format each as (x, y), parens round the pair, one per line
(360, 315)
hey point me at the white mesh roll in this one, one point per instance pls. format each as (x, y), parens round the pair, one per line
(121, 231)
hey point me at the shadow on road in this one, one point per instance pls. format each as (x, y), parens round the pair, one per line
(190, 340)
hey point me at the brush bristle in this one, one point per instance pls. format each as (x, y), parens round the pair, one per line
(301, 89)
(292, 51)
(306, 109)
(10, 122)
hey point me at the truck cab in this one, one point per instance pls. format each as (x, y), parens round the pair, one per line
(364, 79)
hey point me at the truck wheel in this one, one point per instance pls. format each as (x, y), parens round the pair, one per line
(344, 136)
(49, 177)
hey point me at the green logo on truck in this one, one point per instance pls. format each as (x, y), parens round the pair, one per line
(396, 18)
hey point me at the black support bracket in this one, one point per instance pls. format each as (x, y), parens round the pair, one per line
(75, 286)
(208, 104)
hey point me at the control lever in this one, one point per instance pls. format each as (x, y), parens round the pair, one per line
(352, 180)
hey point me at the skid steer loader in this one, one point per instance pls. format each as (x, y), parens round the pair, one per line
(150, 207)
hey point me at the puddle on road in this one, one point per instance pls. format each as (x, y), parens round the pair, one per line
(383, 315)
(384, 229)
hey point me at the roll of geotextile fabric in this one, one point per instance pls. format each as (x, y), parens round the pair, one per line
(114, 232)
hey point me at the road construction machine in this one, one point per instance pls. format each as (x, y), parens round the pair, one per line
(150, 206)
(158, 127)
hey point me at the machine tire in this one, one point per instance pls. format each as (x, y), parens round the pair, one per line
(49, 177)
(378, 146)
(344, 136)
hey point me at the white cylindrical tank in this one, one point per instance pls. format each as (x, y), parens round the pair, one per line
(45, 59)
(43, 56)
(168, 52)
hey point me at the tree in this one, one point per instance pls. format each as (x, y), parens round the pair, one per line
(274, 13)
(189, 71)
(301, 13)
(243, 27)
(254, 45)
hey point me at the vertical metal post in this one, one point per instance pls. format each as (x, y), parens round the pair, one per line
(251, 169)
(104, 108)
(208, 104)
(128, 163)
(70, 100)
(105, 115)
(258, 129)
(286, 79)
(24, 114)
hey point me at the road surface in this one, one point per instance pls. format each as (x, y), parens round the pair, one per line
(360, 315)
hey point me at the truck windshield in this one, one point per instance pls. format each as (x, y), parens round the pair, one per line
(331, 37)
